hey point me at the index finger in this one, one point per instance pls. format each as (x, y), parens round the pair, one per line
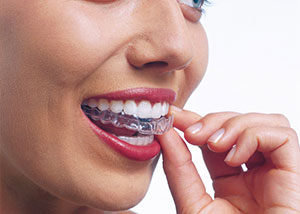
(183, 118)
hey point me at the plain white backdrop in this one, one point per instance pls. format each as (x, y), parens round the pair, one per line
(254, 66)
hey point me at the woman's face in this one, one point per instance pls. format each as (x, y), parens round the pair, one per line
(54, 55)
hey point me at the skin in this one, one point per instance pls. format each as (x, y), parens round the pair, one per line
(265, 143)
(56, 53)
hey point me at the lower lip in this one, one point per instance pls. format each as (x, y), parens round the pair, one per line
(138, 153)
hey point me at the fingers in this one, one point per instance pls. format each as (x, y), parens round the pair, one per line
(183, 118)
(279, 144)
(216, 166)
(197, 130)
(184, 181)
(191, 124)
(211, 126)
(254, 139)
(221, 131)
(223, 139)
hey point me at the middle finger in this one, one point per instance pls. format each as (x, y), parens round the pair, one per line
(225, 137)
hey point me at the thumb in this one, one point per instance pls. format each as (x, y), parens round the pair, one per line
(184, 181)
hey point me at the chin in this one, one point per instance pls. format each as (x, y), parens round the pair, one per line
(107, 181)
(122, 199)
(114, 192)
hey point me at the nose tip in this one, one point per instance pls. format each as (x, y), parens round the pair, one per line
(164, 43)
(166, 54)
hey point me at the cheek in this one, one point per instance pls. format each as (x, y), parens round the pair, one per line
(63, 40)
(193, 74)
(54, 48)
(200, 61)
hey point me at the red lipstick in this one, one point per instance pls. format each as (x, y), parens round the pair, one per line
(151, 94)
(134, 152)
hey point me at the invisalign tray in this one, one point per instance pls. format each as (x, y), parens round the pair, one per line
(121, 120)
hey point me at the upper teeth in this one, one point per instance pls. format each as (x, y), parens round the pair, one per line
(144, 109)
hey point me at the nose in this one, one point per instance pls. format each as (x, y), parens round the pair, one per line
(161, 37)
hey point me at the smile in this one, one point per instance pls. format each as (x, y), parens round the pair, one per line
(128, 120)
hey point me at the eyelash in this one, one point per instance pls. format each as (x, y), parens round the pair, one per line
(195, 4)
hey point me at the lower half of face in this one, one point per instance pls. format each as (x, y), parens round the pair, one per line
(86, 88)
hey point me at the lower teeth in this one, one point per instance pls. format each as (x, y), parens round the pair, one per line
(120, 120)
(139, 140)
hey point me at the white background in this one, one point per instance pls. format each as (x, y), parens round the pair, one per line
(254, 67)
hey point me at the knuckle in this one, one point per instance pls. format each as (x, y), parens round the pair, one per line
(292, 134)
(257, 119)
(282, 119)
(250, 132)
(210, 115)
(183, 163)
(196, 206)
(252, 114)
(251, 135)
(244, 117)
(220, 114)
(234, 121)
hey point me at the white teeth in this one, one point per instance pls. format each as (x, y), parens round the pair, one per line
(116, 106)
(144, 109)
(156, 110)
(164, 108)
(103, 104)
(139, 140)
(92, 103)
(167, 108)
(130, 107)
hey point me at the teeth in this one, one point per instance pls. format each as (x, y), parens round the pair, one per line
(116, 106)
(92, 103)
(156, 110)
(144, 109)
(130, 107)
(103, 104)
(165, 108)
(138, 141)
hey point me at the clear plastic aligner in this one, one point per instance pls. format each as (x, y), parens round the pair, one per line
(121, 120)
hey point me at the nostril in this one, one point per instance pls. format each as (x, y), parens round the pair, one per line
(155, 64)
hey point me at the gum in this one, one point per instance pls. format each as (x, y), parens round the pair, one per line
(121, 120)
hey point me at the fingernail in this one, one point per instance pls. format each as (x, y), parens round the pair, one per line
(194, 128)
(175, 108)
(216, 136)
(230, 154)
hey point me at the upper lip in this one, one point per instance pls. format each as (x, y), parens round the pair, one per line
(151, 94)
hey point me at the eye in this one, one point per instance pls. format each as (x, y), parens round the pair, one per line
(196, 4)
(192, 9)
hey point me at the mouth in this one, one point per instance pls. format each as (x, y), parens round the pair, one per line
(128, 120)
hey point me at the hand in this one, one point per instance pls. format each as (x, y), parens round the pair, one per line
(265, 143)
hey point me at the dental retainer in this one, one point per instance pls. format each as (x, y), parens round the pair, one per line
(121, 120)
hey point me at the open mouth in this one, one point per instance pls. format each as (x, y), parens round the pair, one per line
(135, 122)
(128, 120)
